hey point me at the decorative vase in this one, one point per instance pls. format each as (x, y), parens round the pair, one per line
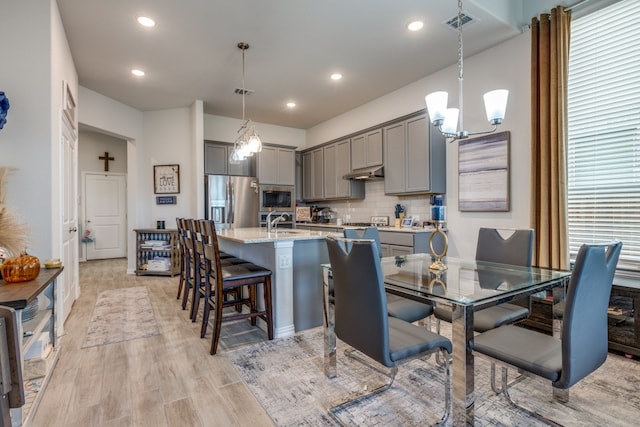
(20, 269)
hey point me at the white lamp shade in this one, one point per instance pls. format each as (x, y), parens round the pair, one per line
(450, 123)
(234, 157)
(254, 144)
(243, 151)
(495, 102)
(437, 105)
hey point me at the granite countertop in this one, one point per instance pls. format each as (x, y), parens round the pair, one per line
(260, 235)
(392, 229)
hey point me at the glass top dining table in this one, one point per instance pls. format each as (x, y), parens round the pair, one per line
(465, 286)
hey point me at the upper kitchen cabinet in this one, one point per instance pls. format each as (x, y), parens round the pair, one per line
(414, 158)
(277, 165)
(216, 161)
(337, 163)
(366, 149)
(313, 175)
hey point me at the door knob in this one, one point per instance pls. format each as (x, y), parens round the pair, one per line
(73, 229)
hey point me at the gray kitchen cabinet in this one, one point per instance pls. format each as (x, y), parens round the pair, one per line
(216, 161)
(330, 170)
(394, 250)
(366, 149)
(313, 175)
(394, 158)
(307, 175)
(337, 163)
(318, 174)
(326, 229)
(414, 158)
(276, 165)
(396, 243)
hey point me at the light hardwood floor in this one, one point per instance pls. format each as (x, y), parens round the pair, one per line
(165, 380)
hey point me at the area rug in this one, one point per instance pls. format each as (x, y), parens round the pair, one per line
(286, 377)
(121, 315)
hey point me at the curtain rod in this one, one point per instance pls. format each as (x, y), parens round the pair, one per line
(580, 3)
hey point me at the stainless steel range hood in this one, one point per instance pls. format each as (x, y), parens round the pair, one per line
(366, 174)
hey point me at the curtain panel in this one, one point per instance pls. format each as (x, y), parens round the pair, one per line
(549, 75)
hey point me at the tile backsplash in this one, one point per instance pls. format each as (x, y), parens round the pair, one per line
(376, 203)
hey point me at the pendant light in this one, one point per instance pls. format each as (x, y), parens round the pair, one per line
(248, 141)
(448, 119)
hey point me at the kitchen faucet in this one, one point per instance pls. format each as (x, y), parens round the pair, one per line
(271, 224)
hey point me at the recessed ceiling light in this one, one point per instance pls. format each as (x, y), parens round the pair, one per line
(146, 22)
(138, 73)
(336, 76)
(291, 104)
(415, 25)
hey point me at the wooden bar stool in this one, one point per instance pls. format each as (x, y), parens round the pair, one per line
(199, 240)
(220, 280)
(187, 279)
(183, 254)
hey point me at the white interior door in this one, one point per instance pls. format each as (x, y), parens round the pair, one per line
(68, 283)
(105, 197)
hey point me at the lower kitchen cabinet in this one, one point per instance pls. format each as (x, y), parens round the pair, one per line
(393, 243)
(397, 243)
(325, 228)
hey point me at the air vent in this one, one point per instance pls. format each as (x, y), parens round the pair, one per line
(241, 91)
(453, 22)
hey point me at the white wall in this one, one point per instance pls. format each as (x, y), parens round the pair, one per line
(92, 145)
(31, 75)
(503, 66)
(167, 135)
(225, 129)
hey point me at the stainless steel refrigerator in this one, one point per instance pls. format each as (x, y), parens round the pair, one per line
(232, 201)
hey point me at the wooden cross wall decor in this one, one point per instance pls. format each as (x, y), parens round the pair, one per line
(106, 159)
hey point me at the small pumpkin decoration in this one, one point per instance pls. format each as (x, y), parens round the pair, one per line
(20, 269)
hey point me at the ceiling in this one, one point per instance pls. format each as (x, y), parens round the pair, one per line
(295, 45)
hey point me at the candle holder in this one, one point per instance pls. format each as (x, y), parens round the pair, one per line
(438, 265)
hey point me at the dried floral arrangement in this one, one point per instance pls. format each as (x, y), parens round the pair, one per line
(13, 233)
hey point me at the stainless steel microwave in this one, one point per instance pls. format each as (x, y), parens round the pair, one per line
(277, 198)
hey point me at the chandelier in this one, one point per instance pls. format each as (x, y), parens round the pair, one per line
(446, 119)
(248, 141)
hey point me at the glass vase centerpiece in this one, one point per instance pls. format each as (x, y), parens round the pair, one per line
(438, 218)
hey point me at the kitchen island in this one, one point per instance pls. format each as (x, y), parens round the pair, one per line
(294, 258)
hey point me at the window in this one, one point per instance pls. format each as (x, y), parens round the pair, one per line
(604, 130)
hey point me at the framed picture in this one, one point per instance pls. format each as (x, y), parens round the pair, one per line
(166, 179)
(407, 222)
(483, 173)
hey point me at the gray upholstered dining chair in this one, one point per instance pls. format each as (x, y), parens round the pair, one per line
(583, 344)
(517, 249)
(361, 319)
(399, 307)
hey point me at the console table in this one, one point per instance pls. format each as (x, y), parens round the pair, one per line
(37, 326)
(623, 316)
